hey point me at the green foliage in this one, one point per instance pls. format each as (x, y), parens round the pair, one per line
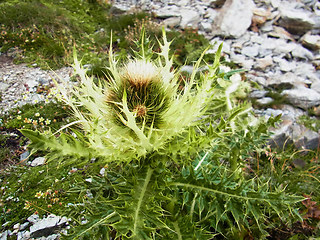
(45, 32)
(298, 170)
(312, 123)
(188, 46)
(41, 116)
(172, 172)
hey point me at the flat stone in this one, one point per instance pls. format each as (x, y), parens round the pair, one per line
(216, 43)
(311, 41)
(302, 97)
(24, 155)
(38, 161)
(172, 22)
(258, 93)
(4, 86)
(33, 218)
(23, 226)
(234, 18)
(189, 18)
(316, 86)
(168, 11)
(250, 51)
(302, 53)
(287, 66)
(264, 101)
(205, 26)
(45, 226)
(279, 32)
(304, 137)
(263, 63)
(119, 9)
(296, 21)
(241, 60)
(284, 81)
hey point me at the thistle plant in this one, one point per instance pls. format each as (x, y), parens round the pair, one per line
(173, 153)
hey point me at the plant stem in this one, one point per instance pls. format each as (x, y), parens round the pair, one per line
(177, 229)
(142, 194)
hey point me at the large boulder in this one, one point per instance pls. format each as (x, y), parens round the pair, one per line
(234, 18)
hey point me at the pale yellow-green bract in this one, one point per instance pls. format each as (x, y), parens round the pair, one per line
(95, 115)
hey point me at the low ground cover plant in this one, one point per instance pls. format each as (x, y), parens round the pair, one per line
(172, 156)
(45, 32)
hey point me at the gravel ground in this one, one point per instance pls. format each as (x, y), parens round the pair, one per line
(19, 83)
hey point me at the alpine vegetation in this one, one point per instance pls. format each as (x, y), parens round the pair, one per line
(173, 149)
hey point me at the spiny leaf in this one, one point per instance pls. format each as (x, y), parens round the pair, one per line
(65, 145)
(137, 206)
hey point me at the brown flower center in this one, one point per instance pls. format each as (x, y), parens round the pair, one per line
(140, 110)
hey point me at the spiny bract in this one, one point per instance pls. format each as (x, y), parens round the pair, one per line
(141, 107)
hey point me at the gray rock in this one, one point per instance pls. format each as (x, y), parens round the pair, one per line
(32, 84)
(290, 113)
(267, 47)
(172, 22)
(275, 3)
(264, 101)
(168, 11)
(33, 218)
(216, 43)
(211, 14)
(296, 21)
(316, 86)
(23, 226)
(4, 235)
(307, 71)
(284, 81)
(189, 18)
(304, 137)
(186, 68)
(258, 94)
(16, 226)
(38, 161)
(205, 26)
(4, 86)
(287, 66)
(119, 9)
(281, 135)
(24, 155)
(302, 53)
(234, 18)
(311, 41)
(280, 32)
(241, 60)
(263, 63)
(250, 51)
(46, 226)
(302, 97)
(282, 47)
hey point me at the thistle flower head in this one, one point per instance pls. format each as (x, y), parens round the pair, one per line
(140, 108)
(141, 88)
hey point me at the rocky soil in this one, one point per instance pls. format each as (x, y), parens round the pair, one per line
(19, 83)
